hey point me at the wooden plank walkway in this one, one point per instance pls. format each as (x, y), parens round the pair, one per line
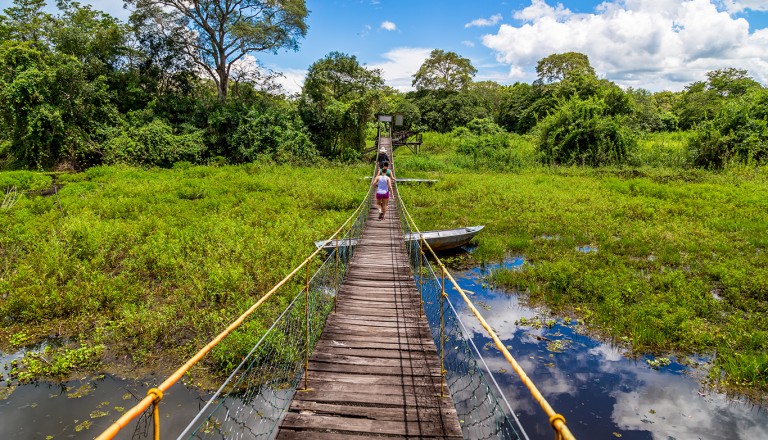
(375, 371)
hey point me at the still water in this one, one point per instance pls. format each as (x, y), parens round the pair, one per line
(82, 409)
(601, 393)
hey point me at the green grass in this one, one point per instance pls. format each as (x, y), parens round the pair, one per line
(152, 263)
(681, 254)
(662, 150)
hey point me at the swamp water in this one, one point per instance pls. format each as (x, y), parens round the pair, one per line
(601, 393)
(82, 409)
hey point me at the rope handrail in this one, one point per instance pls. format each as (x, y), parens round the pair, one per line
(154, 395)
(556, 420)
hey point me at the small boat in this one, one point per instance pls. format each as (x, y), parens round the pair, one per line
(439, 240)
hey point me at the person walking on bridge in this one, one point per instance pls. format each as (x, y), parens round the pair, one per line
(382, 157)
(383, 184)
(385, 171)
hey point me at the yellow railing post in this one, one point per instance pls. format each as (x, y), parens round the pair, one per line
(442, 332)
(158, 396)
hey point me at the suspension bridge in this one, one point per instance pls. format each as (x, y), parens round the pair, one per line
(369, 346)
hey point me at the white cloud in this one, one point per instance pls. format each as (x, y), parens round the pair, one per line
(655, 44)
(738, 6)
(468, 43)
(667, 408)
(388, 25)
(292, 80)
(400, 65)
(366, 29)
(485, 21)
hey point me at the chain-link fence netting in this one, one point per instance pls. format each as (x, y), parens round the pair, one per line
(473, 388)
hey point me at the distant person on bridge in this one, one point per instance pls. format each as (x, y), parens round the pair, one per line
(382, 157)
(385, 171)
(383, 185)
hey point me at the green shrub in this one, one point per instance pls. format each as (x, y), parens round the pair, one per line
(153, 143)
(738, 134)
(24, 181)
(485, 145)
(582, 132)
(276, 133)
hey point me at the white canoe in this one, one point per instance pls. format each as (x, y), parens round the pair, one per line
(438, 240)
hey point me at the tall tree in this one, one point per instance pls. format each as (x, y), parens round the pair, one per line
(96, 39)
(561, 66)
(25, 21)
(337, 102)
(216, 34)
(730, 82)
(444, 71)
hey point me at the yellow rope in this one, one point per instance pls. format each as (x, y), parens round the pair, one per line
(556, 420)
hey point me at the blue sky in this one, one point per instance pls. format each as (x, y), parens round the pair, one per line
(653, 44)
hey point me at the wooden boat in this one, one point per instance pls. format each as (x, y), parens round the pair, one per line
(439, 240)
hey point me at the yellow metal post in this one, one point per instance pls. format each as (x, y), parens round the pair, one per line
(156, 420)
(158, 396)
(442, 331)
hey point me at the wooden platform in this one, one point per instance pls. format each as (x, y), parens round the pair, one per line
(375, 371)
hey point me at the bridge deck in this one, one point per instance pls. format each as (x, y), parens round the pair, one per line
(375, 370)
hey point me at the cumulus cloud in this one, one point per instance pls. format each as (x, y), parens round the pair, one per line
(388, 25)
(484, 21)
(738, 6)
(665, 406)
(292, 80)
(655, 44)
(400, 64)
(468, 43)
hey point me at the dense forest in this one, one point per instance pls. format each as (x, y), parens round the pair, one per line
(81, 88)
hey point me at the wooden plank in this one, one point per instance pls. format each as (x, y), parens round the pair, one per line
(411, 429)
(403, 401)
(399, 353)
(381, 413)
(418, 345)
(382, 391)
(374, 369)
(368, 379)
(301, 434)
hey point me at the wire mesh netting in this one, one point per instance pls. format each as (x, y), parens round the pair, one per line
(254, 398)
(473, 389)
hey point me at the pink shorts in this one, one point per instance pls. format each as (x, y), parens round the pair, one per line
(382, 196)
